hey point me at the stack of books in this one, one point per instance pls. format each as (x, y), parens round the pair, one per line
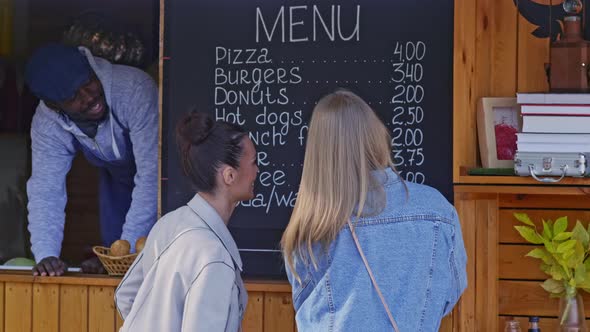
(554, 123)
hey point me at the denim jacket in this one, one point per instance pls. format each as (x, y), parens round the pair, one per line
(415, 250)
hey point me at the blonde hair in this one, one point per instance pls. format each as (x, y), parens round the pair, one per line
(345, 142)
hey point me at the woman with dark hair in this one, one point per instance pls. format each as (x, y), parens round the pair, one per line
(187, 278)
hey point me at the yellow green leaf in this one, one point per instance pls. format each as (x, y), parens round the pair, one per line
(537, 253)
(580, 274)
(553, 286)
(524, 218)
(549, 246)
(579, 233)
(562, 236)
(568, 256)
(547, 233)
(560, 225)
(529, 234)
(577, 258)
(557, 272)
(546, 268)
(566, 246)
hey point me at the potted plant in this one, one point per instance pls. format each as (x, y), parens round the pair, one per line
(565, 257)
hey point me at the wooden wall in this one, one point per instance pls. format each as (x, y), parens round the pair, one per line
(495, 55)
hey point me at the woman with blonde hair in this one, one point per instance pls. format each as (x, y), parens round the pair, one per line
(364, 250)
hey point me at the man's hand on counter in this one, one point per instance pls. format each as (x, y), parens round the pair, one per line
(92, 265)
(53, 266)
(50, 266)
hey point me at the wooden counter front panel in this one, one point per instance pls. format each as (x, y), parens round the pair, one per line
(502, 281)
(46, 307)
(74, 300)
(65, 307)
(519, 277)
(18, 307)
(53, 307)
(2, 311)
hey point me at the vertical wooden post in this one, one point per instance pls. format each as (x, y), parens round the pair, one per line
(45, 308)
(6, 14)
(73, 308)
(18, 313)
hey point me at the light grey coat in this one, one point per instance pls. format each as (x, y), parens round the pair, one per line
(187, 278)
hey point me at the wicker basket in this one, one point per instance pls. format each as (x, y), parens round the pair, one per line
(115, 265)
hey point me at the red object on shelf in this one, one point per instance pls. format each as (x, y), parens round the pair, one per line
(505, 141)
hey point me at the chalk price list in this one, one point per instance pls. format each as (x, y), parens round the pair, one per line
(407, 110)
(252, 90)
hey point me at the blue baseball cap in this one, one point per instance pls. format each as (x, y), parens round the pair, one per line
(55, 72)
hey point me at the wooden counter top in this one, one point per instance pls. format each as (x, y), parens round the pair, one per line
(252, 285)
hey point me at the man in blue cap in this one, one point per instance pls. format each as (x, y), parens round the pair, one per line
(109, 113)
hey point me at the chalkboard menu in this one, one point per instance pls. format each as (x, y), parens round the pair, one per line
(264, 64)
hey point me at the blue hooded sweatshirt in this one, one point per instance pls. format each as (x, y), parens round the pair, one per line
(126, 140)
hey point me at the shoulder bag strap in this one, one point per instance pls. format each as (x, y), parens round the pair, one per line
(358, 246)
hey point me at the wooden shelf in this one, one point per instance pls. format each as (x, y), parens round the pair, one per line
(521, 189)
(466, 179)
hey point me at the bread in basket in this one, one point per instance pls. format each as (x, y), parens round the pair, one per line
(115, 265)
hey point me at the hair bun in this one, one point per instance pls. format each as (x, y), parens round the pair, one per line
(196, 127)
